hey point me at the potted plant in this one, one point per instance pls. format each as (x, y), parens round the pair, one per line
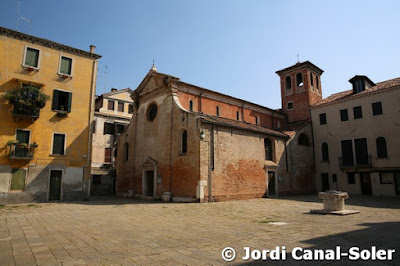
(62, 113)
(27, 100)
(12, 142)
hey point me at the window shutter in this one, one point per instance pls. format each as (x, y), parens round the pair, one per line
(58, 144)
(55, 100)
(66, 64)
(31, 57)
(69, 102)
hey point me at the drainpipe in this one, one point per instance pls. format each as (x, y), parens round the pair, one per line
(210, 163)
(90, 118)
(315, 159)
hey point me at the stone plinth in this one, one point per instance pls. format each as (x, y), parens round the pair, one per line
(333, 201)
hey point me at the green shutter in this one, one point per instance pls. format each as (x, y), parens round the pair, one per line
(58, 144)
(66, 65)
(69, 102)
(31, 57)
(23, 136)
(54, 106)
(18, 179)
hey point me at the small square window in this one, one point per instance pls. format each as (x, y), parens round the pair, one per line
(290, 105)
(377, 108)
(108, 129)
(111, 105)
(120, 107)
(357, 112)
(65, 66)
(386, 178)
(344, 115)
(351, 179)
(62, 101)
(322, 119)
(31, 57)
(58, 144)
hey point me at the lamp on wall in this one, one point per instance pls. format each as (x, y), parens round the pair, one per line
(202, 135)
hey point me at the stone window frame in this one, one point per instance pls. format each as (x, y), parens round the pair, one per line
(59, 66)
(52, 143)
(191, 105)
(381, 148)
(24, 57)
(299, 85)
(148, 110)
(287, 106)
(288, 91)
(181, 139)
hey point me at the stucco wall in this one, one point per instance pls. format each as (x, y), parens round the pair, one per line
(370, 127)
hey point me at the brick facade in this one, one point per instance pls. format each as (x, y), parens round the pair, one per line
(226, 154)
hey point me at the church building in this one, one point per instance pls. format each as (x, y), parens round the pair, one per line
(186, 143)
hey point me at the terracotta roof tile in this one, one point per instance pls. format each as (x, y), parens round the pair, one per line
(241, 125)
(349, 94)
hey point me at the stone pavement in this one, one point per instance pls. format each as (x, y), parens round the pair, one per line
(127, 232)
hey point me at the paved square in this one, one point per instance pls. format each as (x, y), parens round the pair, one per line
(127, 232)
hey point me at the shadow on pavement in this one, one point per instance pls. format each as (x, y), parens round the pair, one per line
(384, 236)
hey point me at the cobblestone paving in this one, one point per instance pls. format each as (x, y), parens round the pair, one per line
(127, 232)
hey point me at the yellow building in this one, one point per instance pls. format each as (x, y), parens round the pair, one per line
(45, 152)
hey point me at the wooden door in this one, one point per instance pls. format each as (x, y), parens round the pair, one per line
(150, 183)
(397, 182)
(325, 181)
(366, 187)
(271, 184)
(55, 185)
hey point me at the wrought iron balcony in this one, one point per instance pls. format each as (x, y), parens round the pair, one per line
(21, 151)
(21, 110)
(364, 162)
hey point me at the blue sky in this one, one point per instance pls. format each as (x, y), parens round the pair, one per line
(233, 47)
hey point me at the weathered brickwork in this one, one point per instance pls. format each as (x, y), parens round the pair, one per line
(225, 155)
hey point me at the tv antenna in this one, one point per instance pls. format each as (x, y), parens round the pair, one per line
(23, 18)
(105, 77)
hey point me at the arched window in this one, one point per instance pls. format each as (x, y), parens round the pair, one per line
(217, 111)
(268, 149)
(191, 105)
(184, 142)
(325, 152)
(126, 151)
(237, 115)
(303, 140)
(381, 147)
(299, 80)
(288, 83)
(311, 80)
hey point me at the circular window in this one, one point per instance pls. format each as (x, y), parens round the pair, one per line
(152, 112)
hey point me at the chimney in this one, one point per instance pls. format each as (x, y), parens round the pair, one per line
(114, 89)
(92, 48)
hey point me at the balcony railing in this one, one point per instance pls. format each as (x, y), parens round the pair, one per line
(367, 162)
(22, 151)
(21, 110)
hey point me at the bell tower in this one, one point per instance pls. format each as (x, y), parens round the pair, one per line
(300, 88)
